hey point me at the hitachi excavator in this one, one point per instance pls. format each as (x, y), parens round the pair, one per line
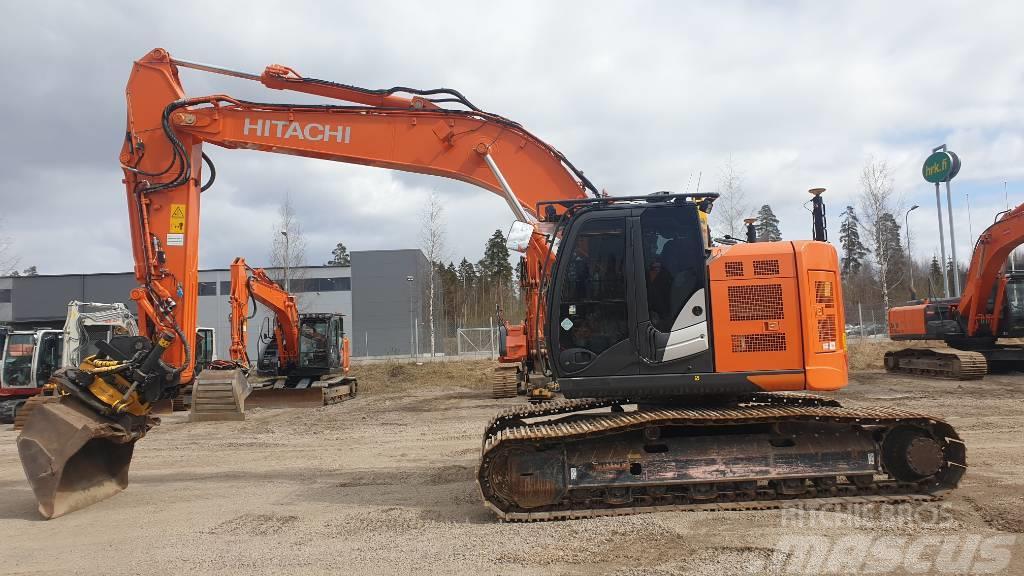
(680, 361)
(991, 307)
(303, 360)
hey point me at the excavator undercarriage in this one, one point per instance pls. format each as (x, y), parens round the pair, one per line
(584, 458)
(938, 362)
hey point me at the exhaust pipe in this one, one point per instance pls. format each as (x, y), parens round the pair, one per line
(819, 230)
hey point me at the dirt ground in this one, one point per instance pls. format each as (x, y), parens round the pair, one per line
(385, 484)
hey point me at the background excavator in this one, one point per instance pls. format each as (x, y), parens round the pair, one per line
(29, 357)
(991, 307)
(675, 356)
(303, 359)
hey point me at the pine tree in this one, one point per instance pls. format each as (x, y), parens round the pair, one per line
(340, 256)
(767, 225)
(935, 277)
(467, 278)
(466, 272)
(495, 264)
(961, 273)
(495, 269)
(854, 250)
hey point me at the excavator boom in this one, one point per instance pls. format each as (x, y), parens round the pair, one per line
(163, 162)
(247, 284)
(162, 158)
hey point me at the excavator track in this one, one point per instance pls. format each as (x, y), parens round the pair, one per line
(938, 362)
(504, 382)
(575, 459)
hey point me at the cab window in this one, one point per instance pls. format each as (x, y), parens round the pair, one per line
(593, 294)
(673, 261)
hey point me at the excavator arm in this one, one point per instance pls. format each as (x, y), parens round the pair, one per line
(163, 161)
(162, 158)
(985, 275)
(247, 284)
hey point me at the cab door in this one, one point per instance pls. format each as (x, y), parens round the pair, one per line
(589, 327)
(48, 352)
(19, 354)
(672, 327)
(336, 343)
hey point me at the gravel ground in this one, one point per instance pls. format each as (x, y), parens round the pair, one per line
(385, 484)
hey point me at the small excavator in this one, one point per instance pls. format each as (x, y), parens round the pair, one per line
(304, 360)
(688, 369)
(991, 307)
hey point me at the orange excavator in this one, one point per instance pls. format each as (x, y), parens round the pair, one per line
(991, 307)
(679, 360)
(304, 359)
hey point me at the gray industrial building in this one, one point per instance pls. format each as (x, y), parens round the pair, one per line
(382, 296)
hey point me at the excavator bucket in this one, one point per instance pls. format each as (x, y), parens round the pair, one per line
(219, 394)
(72, 457)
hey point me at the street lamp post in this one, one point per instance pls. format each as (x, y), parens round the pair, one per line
(412, 330)
(910, 257)
(287, 256)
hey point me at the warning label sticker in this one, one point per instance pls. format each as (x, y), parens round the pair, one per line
(177, 219)
(175, 239)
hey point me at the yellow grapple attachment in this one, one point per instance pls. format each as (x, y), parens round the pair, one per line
(76, 451)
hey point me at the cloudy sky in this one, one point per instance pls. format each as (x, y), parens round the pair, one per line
(642, 96)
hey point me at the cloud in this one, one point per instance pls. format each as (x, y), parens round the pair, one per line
(641, 96)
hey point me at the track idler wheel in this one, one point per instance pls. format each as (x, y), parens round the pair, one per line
(890, 362)
(529, 478)
(910, 454)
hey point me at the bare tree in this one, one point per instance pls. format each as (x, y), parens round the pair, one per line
(878, 202)
(8, 259)
(432, 236)
(288, 250)
(731, 207)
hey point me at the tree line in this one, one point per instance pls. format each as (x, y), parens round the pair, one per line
(472, 290)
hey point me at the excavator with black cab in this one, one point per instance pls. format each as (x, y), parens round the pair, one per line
(693, 374)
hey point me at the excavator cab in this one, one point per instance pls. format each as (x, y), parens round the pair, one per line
(321, 347)
(17, 361)
(629, 297)
(1012, 321)
(30, 357)
(320, 343)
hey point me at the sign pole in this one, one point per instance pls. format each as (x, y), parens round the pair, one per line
(952, 243)
(942, 166)
(942, 243)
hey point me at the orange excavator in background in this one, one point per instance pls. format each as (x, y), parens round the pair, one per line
(677, 357)
(304, 359)
(991, 307)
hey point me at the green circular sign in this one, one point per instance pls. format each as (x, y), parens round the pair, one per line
(940, 167)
